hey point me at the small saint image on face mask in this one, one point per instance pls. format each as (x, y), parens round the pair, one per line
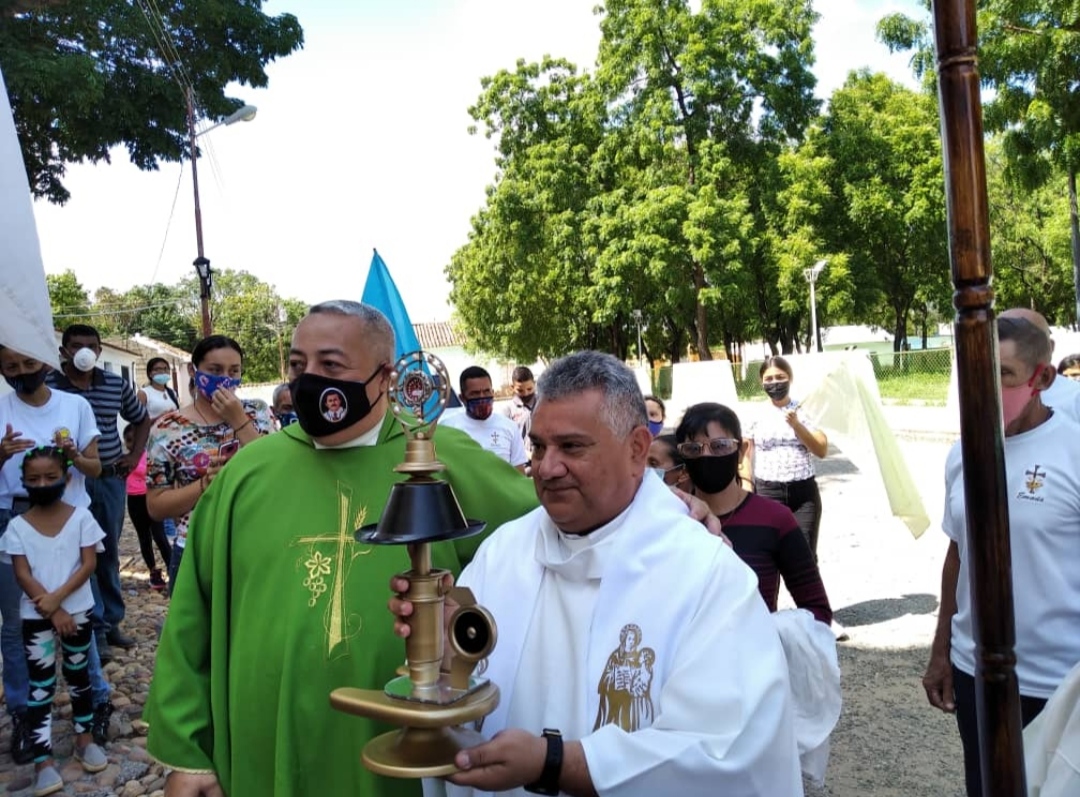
(332, 404)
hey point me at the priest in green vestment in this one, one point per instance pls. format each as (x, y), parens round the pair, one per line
(276, 604)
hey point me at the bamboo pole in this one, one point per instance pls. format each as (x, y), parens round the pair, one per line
(981, 432)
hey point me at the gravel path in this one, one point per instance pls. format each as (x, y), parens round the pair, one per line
(883, 585)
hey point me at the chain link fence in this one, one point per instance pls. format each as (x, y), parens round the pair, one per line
(920, 375)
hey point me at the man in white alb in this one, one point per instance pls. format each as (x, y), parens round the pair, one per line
(635, 656)
(494, 432)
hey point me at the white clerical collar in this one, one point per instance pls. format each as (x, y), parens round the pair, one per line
(578, 557)
(368, 438)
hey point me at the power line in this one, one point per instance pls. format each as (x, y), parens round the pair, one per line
(168, 224)
(99, 313)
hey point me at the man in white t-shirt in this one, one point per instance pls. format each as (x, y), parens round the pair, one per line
(519, 408)
(33, 415)
(494, 432)
(1042, 471)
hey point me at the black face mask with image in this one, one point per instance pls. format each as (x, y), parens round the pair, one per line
(309, 393)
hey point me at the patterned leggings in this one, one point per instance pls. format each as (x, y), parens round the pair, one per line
(40, 639)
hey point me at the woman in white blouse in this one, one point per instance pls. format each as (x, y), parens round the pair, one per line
(783, 442)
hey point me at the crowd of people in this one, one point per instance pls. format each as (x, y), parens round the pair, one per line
(625, 563)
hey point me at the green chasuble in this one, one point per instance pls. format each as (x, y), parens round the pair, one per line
(276, 605)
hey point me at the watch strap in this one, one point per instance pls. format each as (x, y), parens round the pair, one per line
(548, 782)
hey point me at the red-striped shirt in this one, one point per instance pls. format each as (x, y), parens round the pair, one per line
(766, 536)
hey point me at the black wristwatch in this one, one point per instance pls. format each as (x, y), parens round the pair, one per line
(548, 782)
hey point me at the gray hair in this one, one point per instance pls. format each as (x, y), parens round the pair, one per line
(278, 392)
(624, 407)
(1032, 344)
(379, 335)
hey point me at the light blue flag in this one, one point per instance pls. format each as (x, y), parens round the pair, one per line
(381, 293)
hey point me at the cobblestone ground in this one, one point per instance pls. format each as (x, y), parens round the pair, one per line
(882, 583)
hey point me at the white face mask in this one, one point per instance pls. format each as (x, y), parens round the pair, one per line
(84, 360)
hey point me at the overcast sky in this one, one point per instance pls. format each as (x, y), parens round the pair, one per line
(360, 142)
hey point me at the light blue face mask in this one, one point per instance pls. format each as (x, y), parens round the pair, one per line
(663, 472)
(161, 379)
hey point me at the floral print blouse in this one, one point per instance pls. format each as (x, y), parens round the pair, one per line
(179, 451)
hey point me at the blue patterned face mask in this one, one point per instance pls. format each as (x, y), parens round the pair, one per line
(208, 384)
(287, 419)
(655, 427)
(480, 408)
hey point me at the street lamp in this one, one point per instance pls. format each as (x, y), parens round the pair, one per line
(636, 315)
(202, 264)
(811, 275)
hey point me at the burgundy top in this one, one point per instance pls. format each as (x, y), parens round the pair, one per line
(766, 536)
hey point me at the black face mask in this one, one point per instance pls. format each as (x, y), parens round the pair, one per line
(777, 390)
(25, 384)
(46, 494)
(713, 474)
(320, 418)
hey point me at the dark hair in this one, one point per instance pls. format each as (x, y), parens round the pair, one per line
(697, 418)
(1032, 344)
(776, 361)
(663, 409)
(154, 361)
(1068, 361)
(79, 331)
(670, 443)
(522, 374)
(51, 452)
(472, 372)
(209, 344)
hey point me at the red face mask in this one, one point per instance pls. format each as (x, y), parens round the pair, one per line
(1015, 399)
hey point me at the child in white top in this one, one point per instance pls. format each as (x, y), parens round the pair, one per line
(53, 549)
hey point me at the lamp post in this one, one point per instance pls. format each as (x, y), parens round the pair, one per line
(636, 315)
(201, 263)
(811, 275)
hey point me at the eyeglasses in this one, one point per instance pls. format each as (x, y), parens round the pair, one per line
(717, 447)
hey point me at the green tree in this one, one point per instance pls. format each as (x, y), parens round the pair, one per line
(69, 300)
(884, 144)
(162, 312)
(636, 187)
(261, 321)
(800, 210)
(521, 282)
(705, 98)
(85, 77)
(1029, 56)
(1030, 241)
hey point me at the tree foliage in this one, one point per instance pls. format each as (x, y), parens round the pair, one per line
(244, 308)
(637, 187)
(884, 144)
(86, 77)
(1029, 57)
